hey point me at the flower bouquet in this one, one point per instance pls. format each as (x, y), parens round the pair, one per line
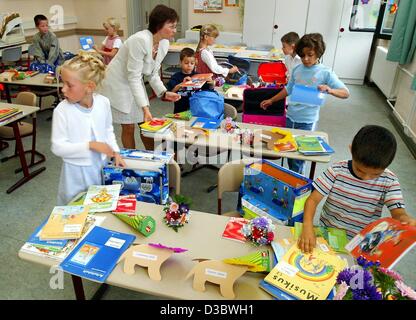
(229, 125)
(259, 231)
(369, 281)
(177, 212)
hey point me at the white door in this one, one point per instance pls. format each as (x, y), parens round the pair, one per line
(355, 39)
(288, 17)
(258, 22)
(324, 17)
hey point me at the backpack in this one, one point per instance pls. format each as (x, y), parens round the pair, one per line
(41, 67)
(207, 104)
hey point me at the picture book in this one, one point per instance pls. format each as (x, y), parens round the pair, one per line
(313, 146)
(95, 257)
(336, 238)
(86, 43)
(54, 245)
(102, 198)
(306, 276)
(307, 95)
(281, 246)
(65, 222)
(385, 240)
(7, 113)
(156, 124)
(126, 204)
(233, 228)
(198, 80)
(206, 123)
(60, 254)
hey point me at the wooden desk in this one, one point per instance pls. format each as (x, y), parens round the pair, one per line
(27, 110)
(217, 139)
(202, 238)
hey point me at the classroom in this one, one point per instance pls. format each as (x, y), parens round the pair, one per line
(207, 150)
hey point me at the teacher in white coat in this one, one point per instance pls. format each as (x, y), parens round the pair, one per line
(140, 55)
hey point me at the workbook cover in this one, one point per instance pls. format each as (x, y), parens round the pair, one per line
(386, 240)
(95, 257)
(156, 124)
(126, 205)
(102, 198)
(306, 276)
(233, 228)
(65, 222)
(86, 43)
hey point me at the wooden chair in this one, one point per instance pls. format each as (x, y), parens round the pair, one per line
(26, 129)
(175, 176)
(230, 177)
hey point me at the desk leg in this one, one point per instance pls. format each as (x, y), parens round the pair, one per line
(26, 175)
(78, 287)
(312, 172)
(7, 90)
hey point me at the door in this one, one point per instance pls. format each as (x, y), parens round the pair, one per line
(258, 22)
(288, 17)
(356, 31)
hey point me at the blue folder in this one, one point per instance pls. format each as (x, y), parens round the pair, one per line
(86, 43)
(307, 95)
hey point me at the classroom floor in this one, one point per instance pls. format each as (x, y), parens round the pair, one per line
(28, 206)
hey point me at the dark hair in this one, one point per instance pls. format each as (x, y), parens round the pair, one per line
(374, 146)
(159, 16)
(312, 41)
(186, 52)
(38, 18)
(290, 38)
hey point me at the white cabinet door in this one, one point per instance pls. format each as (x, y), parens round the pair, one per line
(289, 16)
(258, 22)
(324, 17)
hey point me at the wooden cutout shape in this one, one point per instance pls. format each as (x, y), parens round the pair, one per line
(145, 256)
(268, 137)
(7, 76)
(49, 79)
(181, 131)
(217, 272)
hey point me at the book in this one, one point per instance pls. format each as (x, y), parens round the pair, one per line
(385, 240)
(54, 245)
(86, 43)
(6, 113)
(336, 238)
(206, 123)
(95, 257)
(313, 145)
(156, 124)
(126, 204)
(306, 276)
(198, 80)
(65, 222)
(281, 246)
(60, 254)
(102, 198)
(233, 228)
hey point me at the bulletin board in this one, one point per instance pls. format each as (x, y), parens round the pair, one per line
(208, 6)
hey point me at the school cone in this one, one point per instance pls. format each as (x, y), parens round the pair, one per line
(146, 225)
(258, 261)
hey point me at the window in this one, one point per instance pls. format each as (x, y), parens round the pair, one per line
(389, 17)
(364, 15)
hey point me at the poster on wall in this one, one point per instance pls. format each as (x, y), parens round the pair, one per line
(204, 6)
(232, 3)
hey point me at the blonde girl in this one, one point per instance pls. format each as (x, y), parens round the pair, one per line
(206, 62)
(82, 130)
(112, 41)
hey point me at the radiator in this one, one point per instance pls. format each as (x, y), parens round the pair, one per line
(384, 73)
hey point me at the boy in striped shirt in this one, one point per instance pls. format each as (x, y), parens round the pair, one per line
(357, 189)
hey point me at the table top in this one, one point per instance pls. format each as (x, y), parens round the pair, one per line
(222, 140)
(201, 236)
(36, 80)
(27, 110)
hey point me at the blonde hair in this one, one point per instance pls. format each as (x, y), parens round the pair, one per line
(208, 30)
(112, 22)
(88, 66)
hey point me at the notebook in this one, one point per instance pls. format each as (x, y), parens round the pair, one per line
(86, 43)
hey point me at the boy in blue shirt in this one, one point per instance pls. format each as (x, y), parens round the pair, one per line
(311, 72)
(187, 59)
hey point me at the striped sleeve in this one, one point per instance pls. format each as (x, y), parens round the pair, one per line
(393, 198)
(325, 182)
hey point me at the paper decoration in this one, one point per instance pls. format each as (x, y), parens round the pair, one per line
(217, 272)
(161, 246)
(258, 261)
(146, 225)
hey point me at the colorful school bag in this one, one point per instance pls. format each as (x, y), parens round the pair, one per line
(207, 104)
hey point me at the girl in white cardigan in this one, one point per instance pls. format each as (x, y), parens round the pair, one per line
(82, 130)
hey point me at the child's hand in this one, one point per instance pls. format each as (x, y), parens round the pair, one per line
(405, 219)
(234, 69)
(307, 240)
(172, 96)
(119, 160)
(186, 79)
(324, 88)
(102, 147)
(265, 104)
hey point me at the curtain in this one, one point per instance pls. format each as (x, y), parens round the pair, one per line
(403, 41)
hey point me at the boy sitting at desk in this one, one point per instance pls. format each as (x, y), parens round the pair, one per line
(45, 43)
(187, 60)
(357, 189)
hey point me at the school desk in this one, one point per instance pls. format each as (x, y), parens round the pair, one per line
(27, 110)
(201, 236)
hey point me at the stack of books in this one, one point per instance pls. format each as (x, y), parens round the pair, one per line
(313, 146)
(7, 114)
(156, 126)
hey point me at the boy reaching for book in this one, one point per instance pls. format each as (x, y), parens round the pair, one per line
(357, 189)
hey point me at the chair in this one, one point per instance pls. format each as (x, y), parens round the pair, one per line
(242, 64)
(230, 177)
(25, 129)
(10, 57)
(175, 176)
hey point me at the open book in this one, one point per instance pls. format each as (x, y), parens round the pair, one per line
(198, 80)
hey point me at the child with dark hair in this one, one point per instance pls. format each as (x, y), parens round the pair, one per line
(292, 59)
(187, 61)
(311, 72)
(357, 189)
(45, 44)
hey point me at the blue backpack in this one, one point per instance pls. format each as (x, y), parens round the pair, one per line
(41, 67)
(207, 104)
